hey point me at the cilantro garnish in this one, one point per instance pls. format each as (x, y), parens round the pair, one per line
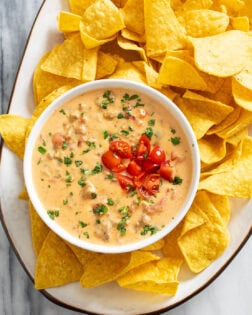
(175, 140)
(148, 228)
(100, 209)
(53, 214)
(42, 150)
(177, 180)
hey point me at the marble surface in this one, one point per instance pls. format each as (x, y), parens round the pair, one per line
(229, 294)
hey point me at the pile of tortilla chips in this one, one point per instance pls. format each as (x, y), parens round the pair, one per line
(199, 54)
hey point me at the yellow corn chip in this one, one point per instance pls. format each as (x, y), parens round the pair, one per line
(212, 149)
(13, 131)
(222, 204)
(23, 194)
(79, 6)
(234, 181)
(68, 22)
(103, 268)
(39, 229)
(51, 270)
(155, 246)
(161, 21)
(242, 95)
(106, 65)
(223, 54)
(202, 112)
(156, 277)
(133, 16)
(129, 45)
(200, 23)
(102, 20)
(90, 64)
(245, 76)
(240, 23)
(128, 71)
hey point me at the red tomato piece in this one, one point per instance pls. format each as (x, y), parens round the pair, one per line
(143, 149)
(110, 160)
(139, 180)
(120, 168)
(126, 182)
(133, 168)
(157, 155)
(167, 171)
(151, 183)
(121, 148)
(149, 166)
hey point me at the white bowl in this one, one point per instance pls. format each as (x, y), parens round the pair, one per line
(110, 84)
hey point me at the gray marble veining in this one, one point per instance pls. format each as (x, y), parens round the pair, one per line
(229, 294)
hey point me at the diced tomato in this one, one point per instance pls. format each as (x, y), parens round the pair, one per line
(120, 168)
(133, 168)
(126, 182)
(151, 183)
(58, 139)
(167, 171)
(157, 155)
(149, 166)
(121, 148)
(143, 149)
(110, 160)
(143, 192)
(139, 180)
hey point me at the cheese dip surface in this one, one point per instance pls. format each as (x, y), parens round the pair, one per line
(112, 166)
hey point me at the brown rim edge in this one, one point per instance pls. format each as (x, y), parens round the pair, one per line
(48, 295)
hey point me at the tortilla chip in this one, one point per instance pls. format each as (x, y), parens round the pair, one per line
(245, 76)
(68, 22)
(90, 64)
(45, 82)
(66, 59)
(171, 248)
(178, 72)
(202, 112)
(79, 6)
(223, 54)
(103, 268)
(51, 269)
(129, 45)
(242, 95)
(234, 181)
(128, 71)
(201, 23)
(157, 277)
(23, 194)
(240, 23)
(38, 228)
(155, 246)
(132, 36)
(106, 65)
(212, 149)
(222, 204)
(13, 131)
(160, 20)
(102, 20)
(204, 243)
(133, 16)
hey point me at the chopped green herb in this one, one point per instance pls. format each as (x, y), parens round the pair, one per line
(110, 176)
(98, 221)
(65, 201)
(97, 169)
(82, 224)
(64, 145)
(113, 136)
(152, 122)
(107, 99)
(138, 104)
(149, 132)
(173, 130)
(86, 234)
(67, 160)
(148, 228)
(71, 155)
(84, 171)
(69, 177)
(177, 180)
(53, 214)
(78, 163)
(124, 132)
(120, 116)
(81, 182)
(62, 112)
(124, 210)
(110, 201)
(42, 150)
(175, 140)
(100, 209)
(121, 226)
(105, 134)
(93, 195)
(91, 145)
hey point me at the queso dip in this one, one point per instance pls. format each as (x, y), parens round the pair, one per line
(112, 166)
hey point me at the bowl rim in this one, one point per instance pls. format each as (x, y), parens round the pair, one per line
(105, 84)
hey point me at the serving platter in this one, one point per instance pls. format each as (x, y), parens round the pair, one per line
(15, 216)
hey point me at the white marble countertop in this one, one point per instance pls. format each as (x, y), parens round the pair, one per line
(229, 294)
